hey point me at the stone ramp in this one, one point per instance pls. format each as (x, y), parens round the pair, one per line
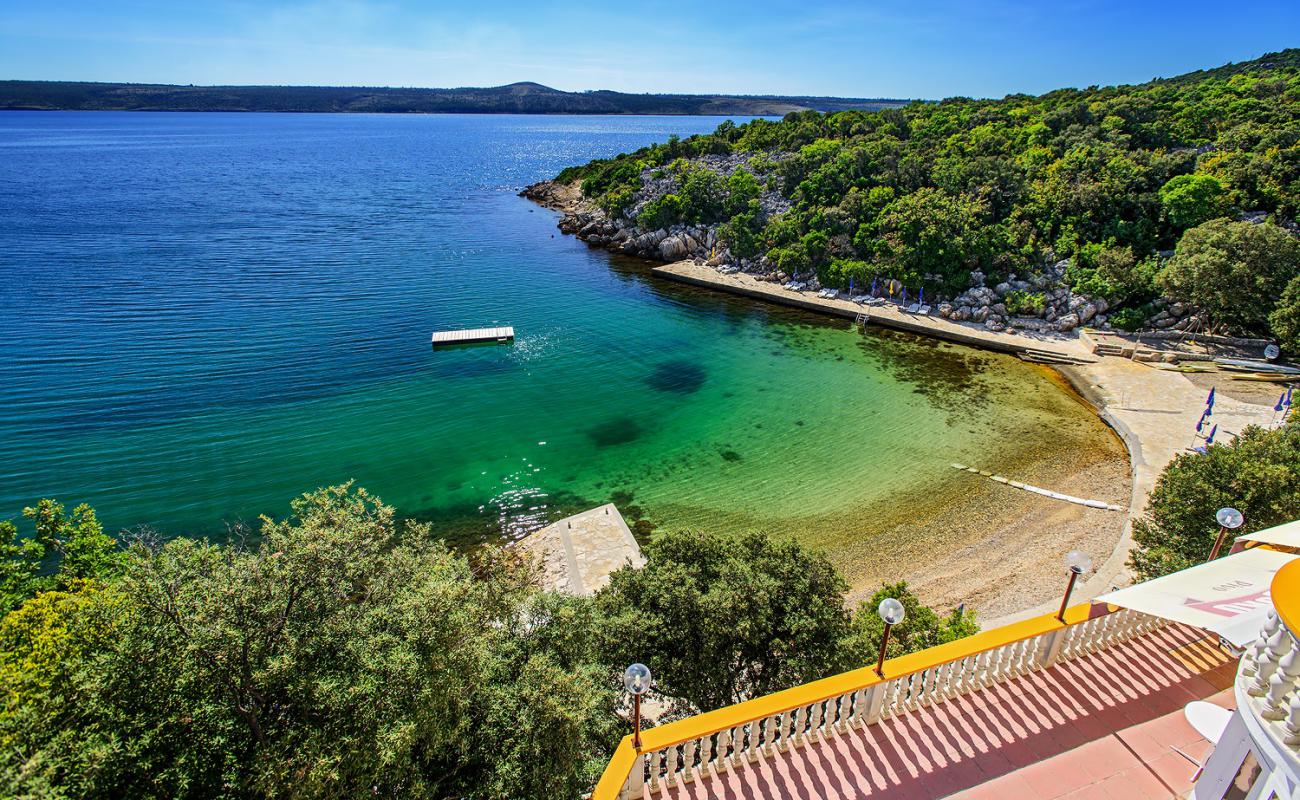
(578, 553)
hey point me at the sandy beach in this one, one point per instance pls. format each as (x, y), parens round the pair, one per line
(1003, 548)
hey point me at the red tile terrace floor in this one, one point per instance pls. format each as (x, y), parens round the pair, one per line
(1101, 726)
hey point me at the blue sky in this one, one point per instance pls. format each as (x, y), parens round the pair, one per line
(865, 49)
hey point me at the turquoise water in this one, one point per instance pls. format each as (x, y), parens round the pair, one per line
(207, 314)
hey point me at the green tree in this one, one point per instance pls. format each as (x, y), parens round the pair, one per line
(75, 546)
(1189, 200)
(743, 232)
(930, 232)
(343, 654)
(47, 648)
(84, 550)
(1234, 270)
(720, 619)
(20, 565)
(1257, 473)
(742, 189)
(921, 628)
(1284, 321)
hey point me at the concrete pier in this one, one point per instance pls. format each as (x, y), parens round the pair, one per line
(578, 553)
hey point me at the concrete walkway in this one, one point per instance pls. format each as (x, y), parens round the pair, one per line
(887, 315)
(578, 553)
(1155, 412)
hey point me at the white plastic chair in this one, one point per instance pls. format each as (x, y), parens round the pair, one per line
(1209, 721)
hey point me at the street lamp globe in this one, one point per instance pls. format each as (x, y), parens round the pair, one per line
(1078, 561)
(637, 679)
(1229, 518)
(891, 611)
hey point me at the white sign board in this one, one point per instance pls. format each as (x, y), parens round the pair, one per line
(1223, 596)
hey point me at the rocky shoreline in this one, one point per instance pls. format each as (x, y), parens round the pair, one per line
(993, 307)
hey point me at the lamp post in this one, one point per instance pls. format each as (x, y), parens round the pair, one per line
(891, 612)
(636, 679)
(1229, 519)
(1078, 563)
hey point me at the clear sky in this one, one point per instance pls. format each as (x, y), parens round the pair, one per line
(904, 48)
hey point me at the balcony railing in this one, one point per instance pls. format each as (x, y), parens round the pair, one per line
(1268, 680)
(730, 737)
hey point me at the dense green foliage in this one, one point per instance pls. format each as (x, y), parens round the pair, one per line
(1106, 176)
(921, 628)
(347, 654)
(1258, 473)
(343, 655)
(77, 545)
(1285, 319)
(720, 619)
(1235, 270)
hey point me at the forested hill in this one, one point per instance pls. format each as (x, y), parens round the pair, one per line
(517, 98)
(1173, 201)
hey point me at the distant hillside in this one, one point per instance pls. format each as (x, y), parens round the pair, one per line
(517, 98)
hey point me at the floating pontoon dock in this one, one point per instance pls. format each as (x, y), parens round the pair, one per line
(474, 335)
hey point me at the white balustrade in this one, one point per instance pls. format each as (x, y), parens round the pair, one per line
(764, 738)
(1269, 674)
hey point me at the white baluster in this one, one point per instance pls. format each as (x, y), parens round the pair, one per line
(1282, 682)
(688, 760)
(1268, 661)
(671, 776)
(656, 765)
(818, 718)
(1250, 663)
(769, 731)
(1292, 725)
(800, 715)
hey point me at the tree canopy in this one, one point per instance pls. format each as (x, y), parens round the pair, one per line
(720, 619)
(344, 652)
(1237, 271)
(931, 191)
(1258, 473)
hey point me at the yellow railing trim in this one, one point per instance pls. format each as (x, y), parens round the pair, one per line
(1285, 590)
(616, 772)
(710, 722)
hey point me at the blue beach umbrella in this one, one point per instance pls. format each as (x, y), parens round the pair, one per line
(1200, 423)
(1209, 401)
(873, 287)
(1287, 401)
(1281, 402)
(904, 295)
(920, 298)
(850, 284)
(1209, 440)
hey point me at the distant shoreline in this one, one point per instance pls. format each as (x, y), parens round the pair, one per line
(515, 98)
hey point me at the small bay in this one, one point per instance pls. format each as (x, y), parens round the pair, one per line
(208, 314)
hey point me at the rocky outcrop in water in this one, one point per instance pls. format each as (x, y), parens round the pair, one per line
(621, 235)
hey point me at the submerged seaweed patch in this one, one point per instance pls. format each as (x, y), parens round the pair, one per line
(678, 376)
(619, 430)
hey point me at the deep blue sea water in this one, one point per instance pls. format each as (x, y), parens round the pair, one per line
(205, 315)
